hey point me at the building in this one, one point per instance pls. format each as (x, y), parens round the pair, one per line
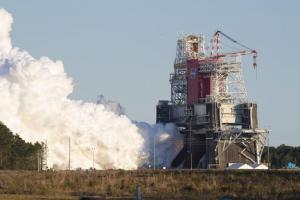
(210, 107)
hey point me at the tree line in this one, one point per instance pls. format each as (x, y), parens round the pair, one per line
(280, 156)
(16, 154)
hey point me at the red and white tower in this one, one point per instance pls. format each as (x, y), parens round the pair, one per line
(209, 105)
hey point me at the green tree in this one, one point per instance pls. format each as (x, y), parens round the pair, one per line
(280, 156)
(15, 153)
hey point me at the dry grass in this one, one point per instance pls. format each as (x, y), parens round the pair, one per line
(35, 197)
(170, 184)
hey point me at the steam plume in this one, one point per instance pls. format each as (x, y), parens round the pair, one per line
(34, 103)
(5, 28)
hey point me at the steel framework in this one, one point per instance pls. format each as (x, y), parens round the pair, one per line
(209, 104)
(228, 82)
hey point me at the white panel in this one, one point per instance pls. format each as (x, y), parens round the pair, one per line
(228, 114)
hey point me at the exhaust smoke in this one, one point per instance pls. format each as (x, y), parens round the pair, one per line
(34, 103)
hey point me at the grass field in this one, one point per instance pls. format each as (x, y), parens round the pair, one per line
(159, 184)
(35, 197)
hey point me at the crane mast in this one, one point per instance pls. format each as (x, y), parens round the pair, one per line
(247, 50)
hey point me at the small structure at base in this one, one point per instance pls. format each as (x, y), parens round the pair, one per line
(259, 166)
(291, 165)
(246, 166)
(238, 166)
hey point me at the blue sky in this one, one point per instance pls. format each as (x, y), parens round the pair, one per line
(125, 49)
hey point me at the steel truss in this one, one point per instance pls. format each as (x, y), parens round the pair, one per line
(244, 138)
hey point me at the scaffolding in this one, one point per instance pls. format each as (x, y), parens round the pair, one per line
(210, 106)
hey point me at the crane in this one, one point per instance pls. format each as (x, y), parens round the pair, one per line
(247, 50)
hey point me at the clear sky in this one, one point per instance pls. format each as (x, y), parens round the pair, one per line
(125, 49)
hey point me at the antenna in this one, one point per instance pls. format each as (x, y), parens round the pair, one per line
(69, 153)
(93, 152)
(45, 152)
(154, 152)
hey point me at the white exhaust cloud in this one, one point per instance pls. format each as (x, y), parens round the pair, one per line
(34, 103)
(5, 28)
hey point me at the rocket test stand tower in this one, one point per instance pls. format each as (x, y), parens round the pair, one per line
(210, 107)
